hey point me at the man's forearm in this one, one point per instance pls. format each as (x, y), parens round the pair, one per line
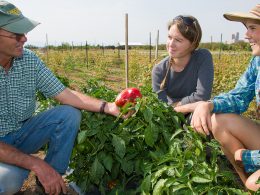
(84, 102)
(10, 155)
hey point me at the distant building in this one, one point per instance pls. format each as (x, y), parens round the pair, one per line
(235, 38)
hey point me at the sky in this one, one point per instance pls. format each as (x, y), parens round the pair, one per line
(103, 21)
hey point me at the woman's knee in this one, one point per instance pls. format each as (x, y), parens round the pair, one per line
(220, 124)
(216, 125)
(11, 178)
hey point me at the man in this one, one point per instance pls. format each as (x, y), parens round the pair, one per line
(22, 74)
(238, 136)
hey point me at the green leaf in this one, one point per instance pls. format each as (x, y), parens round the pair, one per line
(92, 131)
(177, 132)
(159, 187)
(150, 135)
(146, 184)
(82, 136)
(158, 112)
(137, 106)
(177, 172)
(170, 172)
(238, 191)
(199, 144)
(178, 187)
(156, 175)
(127, 166)
(119, 145)
(176, 121)
(107, 161)
(97, 171)
(198, 179)
(116, 170)
(148, 114)
(197, 152)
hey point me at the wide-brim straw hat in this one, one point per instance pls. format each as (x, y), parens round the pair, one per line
(254, 14)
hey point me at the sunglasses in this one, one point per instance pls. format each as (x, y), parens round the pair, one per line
(15, 36)
(186, 20)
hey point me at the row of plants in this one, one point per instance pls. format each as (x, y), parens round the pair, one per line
(110, 68)
(240, 46)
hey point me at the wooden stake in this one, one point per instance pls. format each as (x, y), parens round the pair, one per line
(126, 50)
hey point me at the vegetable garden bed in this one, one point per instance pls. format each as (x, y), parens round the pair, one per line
(152, 152)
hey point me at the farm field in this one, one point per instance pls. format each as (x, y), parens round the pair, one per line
(108, 67)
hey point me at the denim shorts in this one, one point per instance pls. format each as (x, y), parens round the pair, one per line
(251, 160)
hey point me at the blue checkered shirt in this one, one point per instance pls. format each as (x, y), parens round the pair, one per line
(247, 87)
(251, 160)
(18, 88)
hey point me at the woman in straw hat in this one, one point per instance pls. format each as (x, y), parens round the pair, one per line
(238, 136)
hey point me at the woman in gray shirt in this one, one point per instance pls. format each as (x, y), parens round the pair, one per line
(186, 75)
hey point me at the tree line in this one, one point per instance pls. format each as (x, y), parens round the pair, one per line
(214, 46)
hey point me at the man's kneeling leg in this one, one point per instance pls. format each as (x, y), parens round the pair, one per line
(11, 178)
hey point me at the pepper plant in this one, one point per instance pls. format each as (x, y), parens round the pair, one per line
(152, 152)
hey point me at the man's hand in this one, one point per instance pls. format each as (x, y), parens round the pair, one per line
(201, 119)
(111, 108)
(51, 180)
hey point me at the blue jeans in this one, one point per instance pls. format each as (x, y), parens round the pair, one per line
(58, 127)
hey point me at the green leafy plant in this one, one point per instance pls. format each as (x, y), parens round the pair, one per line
(152, 152)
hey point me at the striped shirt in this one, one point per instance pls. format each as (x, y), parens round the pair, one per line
(247, 87)
(18, 88)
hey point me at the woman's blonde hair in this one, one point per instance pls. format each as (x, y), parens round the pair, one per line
(189, 27)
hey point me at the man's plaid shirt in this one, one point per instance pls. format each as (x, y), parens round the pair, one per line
(247, 87)
(18, 88)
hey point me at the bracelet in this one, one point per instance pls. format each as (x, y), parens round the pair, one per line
(102, 107)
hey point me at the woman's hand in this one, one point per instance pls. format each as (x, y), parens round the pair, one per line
(186, 108)
(201, 119)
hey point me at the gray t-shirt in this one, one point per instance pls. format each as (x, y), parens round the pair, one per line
(192, 84)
